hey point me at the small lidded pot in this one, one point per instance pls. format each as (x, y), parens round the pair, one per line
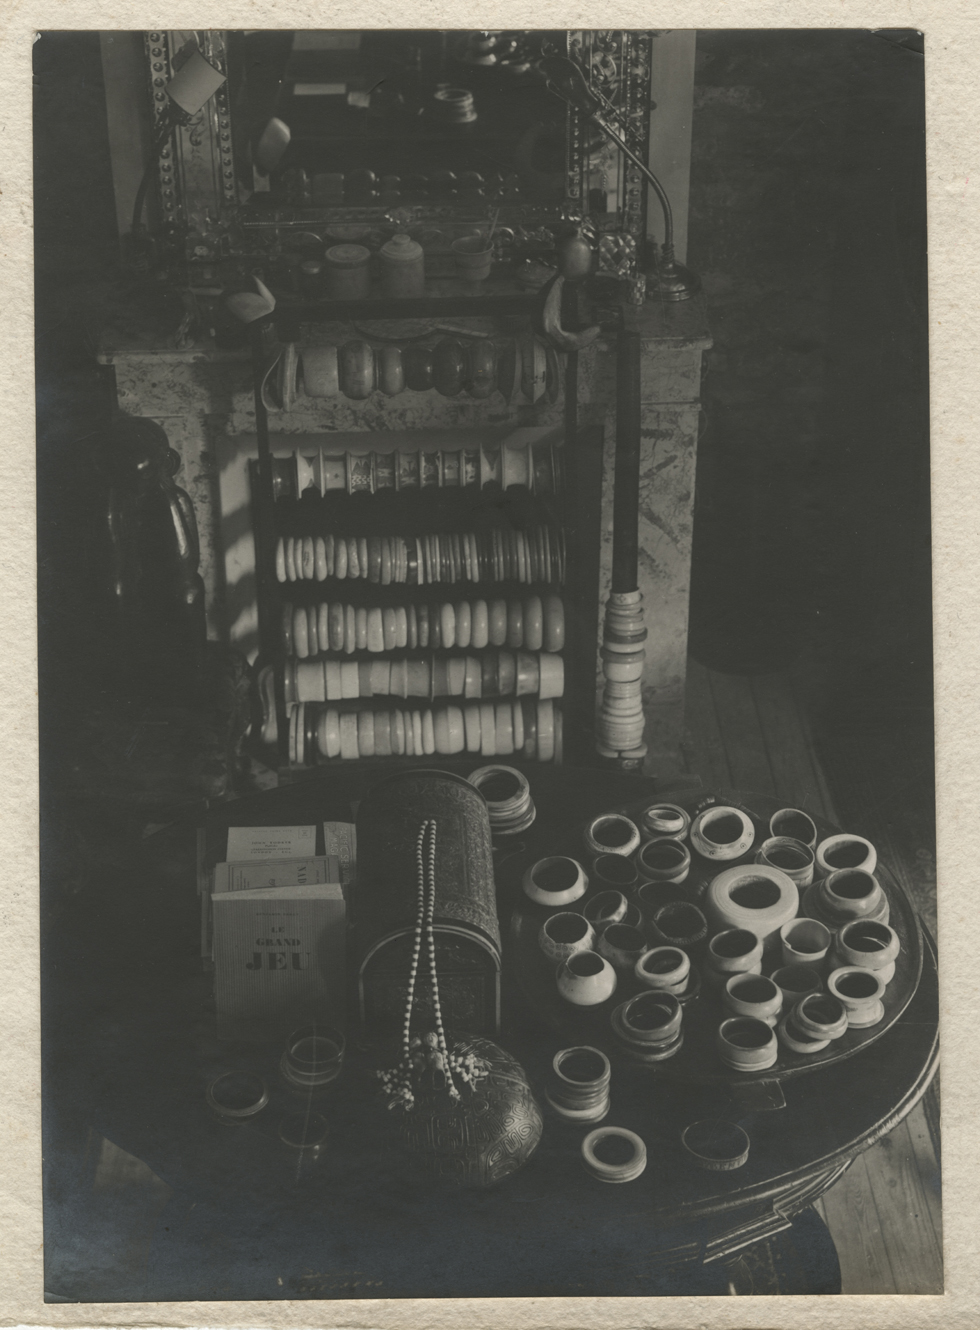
(402, 267)
(845, 851)
(612, 833)
(346, 272)
(663, 861)
(721, 833)
(753, 995)
(790, 856)
(586, 979)
(563, 934)
(848, 893)
(664, 968)
(622, 945)
(860, 992)
(870, 945)
(605, 908)
(555, 881)
(805, 942)
(746, 1044)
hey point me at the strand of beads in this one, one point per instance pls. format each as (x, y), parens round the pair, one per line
(619, 729)
(433, 976)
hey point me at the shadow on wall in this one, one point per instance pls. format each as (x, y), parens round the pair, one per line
(808, 226)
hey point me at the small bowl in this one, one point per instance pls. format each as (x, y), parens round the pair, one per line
(555, 881)
(562, 935)
(586, 979)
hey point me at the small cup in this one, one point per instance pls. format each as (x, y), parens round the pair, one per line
(605, 908)
(746, 1044)
(860, 992)
(555, 881)
(665, 968)
(805, 942)
(663, 861)
(564, 934)
(622, 945)
(794, 823)
(472, 256)
(796, 982)
(586, 979)
(753, 995)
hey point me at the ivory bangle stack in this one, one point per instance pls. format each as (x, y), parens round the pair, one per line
(494, 674)
(619, 728)
(502, 554)
(532, 729)
(534, 465)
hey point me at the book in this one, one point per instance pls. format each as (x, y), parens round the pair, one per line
(254, 875)
(340, 838)
(270, 843)
(278, 960)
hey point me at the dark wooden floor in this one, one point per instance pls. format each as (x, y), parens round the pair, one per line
(884, 1214)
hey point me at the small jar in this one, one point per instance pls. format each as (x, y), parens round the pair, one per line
(805, 942)
(860, 992)
(753, 995)
(586, 979)
(346, 271)
(564, 934)
(402, 267)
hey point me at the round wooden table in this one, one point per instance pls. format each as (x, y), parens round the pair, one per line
(246, 1222)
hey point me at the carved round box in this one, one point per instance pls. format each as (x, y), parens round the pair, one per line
(485, 1136)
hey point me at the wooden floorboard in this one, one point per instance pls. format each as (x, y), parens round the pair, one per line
(885, 1213)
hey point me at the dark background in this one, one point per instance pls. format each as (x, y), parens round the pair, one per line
(812, 531)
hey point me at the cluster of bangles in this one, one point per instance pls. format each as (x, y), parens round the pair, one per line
(534, 622)
(501, 554)
(500, 673)
(530, 727)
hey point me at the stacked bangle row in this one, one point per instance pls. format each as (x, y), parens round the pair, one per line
(536, 554)
(535, 622)
(533, 465)
(532, 729)
(493, 674)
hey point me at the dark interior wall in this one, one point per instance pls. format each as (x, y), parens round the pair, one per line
(808, 227)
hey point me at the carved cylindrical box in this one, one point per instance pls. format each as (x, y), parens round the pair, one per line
(467, 934)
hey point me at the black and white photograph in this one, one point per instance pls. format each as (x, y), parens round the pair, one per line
(485, 667)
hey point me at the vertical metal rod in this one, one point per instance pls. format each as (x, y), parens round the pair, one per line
(626, 495)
